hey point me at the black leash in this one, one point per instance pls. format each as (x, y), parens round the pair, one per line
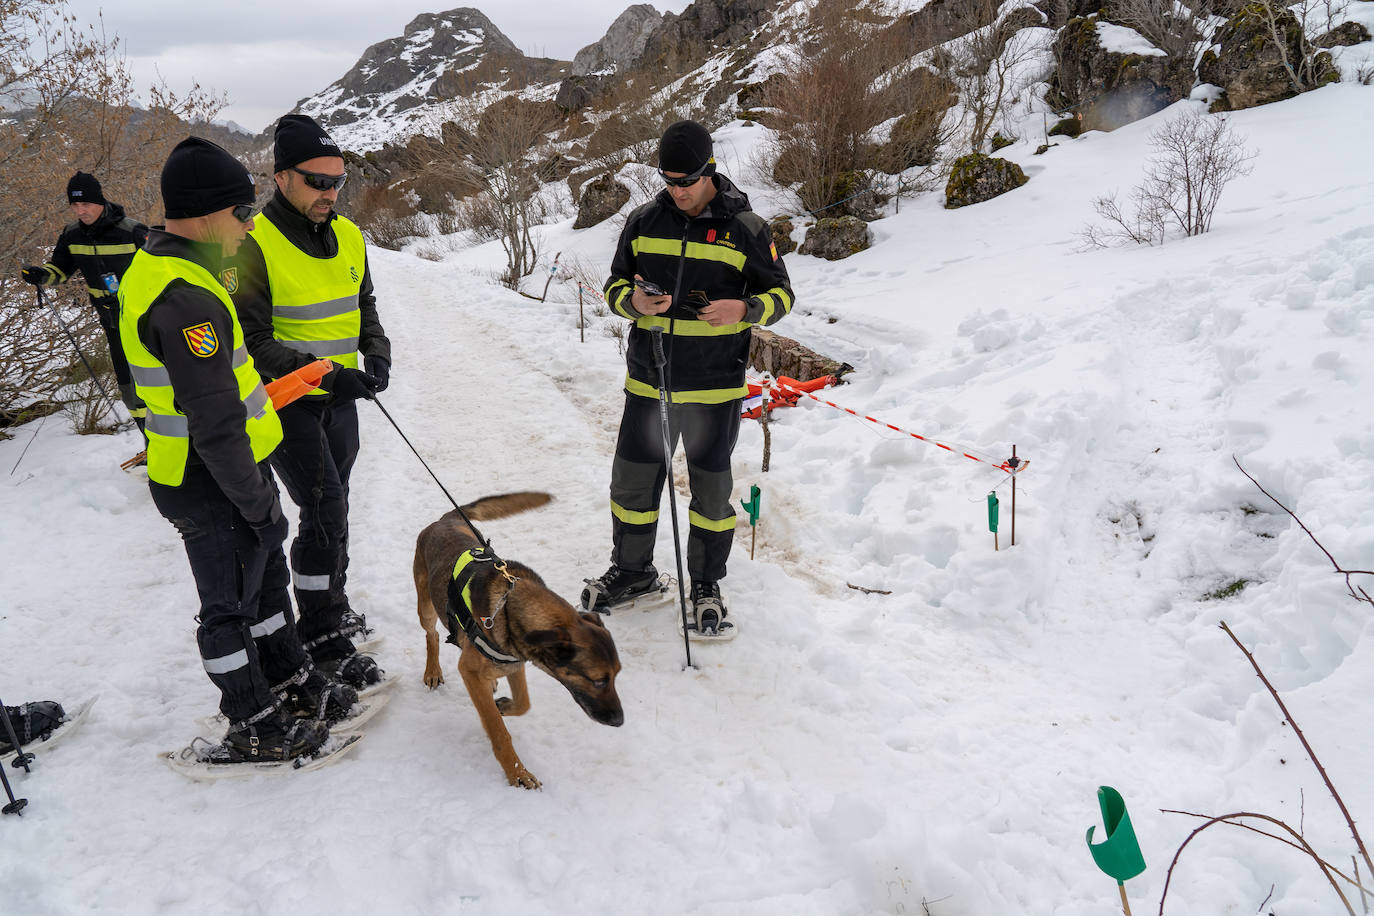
(485, 543)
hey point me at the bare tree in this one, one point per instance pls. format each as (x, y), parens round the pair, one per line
(1196, 156)
(1287, 27)
(497, 160)
(70, 100)
(990, 64)
(1169, 25)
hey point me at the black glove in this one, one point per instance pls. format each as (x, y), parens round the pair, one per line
(38, 276)
(379, 367)
(272, 531)
(350, 384)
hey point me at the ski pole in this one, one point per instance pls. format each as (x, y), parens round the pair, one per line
(661, 361)
(85, 362)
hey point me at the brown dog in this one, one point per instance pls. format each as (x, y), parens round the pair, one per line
(527, 623)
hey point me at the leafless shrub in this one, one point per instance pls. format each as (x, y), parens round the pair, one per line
(1171, 26)
(387, 215)
(72, 101)
(1288, 29)
(991, 64)
(1196, 156)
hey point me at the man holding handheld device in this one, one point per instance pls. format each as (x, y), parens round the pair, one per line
(700, 231)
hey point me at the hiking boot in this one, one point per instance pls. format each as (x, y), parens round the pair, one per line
(353, 624)
(312, 695)
(356, 670)
(618, 586)
(709, 615)
(270, 735)
(32, 722)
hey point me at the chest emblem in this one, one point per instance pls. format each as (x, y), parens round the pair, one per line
(201, 339)
(353, 273)
(229, 277)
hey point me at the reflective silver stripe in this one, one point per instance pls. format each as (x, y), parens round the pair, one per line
(240, 356)
(311, 583)
(227, 663)
(314, 311)
(165, 425)
(151, 376)
(319, 348)
(256, 402)
(492, 653)
(269, 626)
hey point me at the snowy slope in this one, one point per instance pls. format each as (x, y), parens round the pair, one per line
(849, 753)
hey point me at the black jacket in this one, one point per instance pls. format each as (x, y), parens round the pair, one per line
(727, 252)
(205, 388)
(106, 246)
(253, 297)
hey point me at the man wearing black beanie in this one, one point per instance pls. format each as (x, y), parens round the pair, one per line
(211, 428)
(303, 290)
(699, 264)
(99, 242)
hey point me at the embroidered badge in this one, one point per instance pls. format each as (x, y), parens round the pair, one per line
(229, 277)
(201, 339)
(710, 235)
(773, 249)
(353, 273)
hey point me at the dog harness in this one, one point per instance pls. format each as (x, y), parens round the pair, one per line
(460, 613)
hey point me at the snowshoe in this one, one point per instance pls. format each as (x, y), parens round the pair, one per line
(203, 759)
(356, 670)
(312, 695)
(31, 722)
(271, 738)
(708, 620)
(622, 588)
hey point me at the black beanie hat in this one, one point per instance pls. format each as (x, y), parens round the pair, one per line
(84, 189)
(201, 177)
(685, 147)
(298, 138)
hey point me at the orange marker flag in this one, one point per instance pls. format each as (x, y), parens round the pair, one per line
(304, 380)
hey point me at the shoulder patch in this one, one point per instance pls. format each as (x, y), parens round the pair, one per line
(201, 339)
(229, 279)
(773, 250)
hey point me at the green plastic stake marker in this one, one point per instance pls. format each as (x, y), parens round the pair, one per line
(992, 517)
(1119, 854)
(752, 506)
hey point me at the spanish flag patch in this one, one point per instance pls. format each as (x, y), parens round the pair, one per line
(201, 339)
(773, 249)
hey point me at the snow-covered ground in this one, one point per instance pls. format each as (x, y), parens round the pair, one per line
(933, 750)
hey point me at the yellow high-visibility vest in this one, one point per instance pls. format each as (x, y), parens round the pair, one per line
(166, 427)
(315, 300)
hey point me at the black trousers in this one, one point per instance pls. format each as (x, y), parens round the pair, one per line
(247, 634)
(319, 447)
(708, 433)
(109, 323)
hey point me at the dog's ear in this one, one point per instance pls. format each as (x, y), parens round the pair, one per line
(592, 618)
(551, 646)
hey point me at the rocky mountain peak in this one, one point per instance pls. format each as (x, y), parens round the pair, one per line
(622, 44)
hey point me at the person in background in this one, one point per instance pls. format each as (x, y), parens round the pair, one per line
(100, 243)
(303, 291)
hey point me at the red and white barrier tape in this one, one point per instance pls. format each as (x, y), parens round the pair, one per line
(1004, 466)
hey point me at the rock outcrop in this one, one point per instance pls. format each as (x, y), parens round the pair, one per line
(1114, 87)
(622, 44)
(837, 238)
(1253, 69)
(601, 199)
(976, 178)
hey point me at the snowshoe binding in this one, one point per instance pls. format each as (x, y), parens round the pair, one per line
(312, 695)
(708, 620)
(622, 588)
(32, 722)
(357, 670)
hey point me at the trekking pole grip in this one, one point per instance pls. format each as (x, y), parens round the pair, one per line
(659, 359)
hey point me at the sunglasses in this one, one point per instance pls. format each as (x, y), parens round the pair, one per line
(686, 181)
(321, 182)
(243, 212)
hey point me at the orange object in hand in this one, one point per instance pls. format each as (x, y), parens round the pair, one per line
(304, 380)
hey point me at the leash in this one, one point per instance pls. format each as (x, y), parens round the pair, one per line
(460, 594)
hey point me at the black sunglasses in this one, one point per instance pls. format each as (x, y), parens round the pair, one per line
(686, 181)
(243, 212)
(321, 182)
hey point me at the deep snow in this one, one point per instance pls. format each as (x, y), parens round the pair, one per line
(938, 747)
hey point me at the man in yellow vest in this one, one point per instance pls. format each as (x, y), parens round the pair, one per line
(303, 291)
(210, 428)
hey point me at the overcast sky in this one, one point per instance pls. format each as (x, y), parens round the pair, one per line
(268, 54)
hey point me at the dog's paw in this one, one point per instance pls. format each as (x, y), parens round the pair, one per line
(522, 778)
(433, 678)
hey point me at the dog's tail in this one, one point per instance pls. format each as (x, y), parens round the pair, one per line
(490, 507)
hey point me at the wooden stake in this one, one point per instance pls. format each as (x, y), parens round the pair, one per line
(581, 319)
(753, 536)
(1013, 543)
(1125, 905)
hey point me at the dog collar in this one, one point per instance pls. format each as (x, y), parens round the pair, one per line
(460, 613)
